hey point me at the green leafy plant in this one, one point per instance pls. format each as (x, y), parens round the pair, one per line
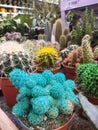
(86, 27)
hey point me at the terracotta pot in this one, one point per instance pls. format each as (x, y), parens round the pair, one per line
(54, 70)
(64, 127)
(70, 72)
(67, 124)
(9, 91)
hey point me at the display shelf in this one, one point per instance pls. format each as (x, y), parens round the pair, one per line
(17, 7)
(20, 10)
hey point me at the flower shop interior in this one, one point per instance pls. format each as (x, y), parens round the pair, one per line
(48, 65)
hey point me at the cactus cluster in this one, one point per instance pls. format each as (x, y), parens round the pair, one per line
(87, 74)
(65, 38)
(74, 58)
(49, 100)
(47, 57)
(12, 56)
(66, 51)
(82, 54)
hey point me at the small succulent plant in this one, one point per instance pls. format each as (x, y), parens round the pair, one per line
(42, 97)
(47, 57)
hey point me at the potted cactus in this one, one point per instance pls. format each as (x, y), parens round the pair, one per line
(83, 54)
(74, 59)
(47, 58)
(12, 55)
(87, 76)
(44, 100)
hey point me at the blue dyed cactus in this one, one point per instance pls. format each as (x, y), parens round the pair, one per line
(45, 94)
(53, 112)
(48, 75)
(59, 77)
(66, 106)
(57, 91)
(39, 91)
(34, 118)
(21, 108)
(15, 77)
(69, 85)
(40, 105)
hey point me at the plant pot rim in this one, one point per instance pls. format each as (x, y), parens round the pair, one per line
(68, 66)
(66, 123)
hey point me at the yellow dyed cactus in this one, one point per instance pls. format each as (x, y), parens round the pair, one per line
(47, 57)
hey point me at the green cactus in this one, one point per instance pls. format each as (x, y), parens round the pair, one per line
(79, 72)
(87, 77)
(58, 30)
(90, 80)
(90, 110)
(87, 52)
(48, 31)
(62, 42)
(40, 36)
(86, 27)
(9, 61)
(66, 31)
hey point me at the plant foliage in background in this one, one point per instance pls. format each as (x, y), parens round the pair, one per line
(86, 27)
